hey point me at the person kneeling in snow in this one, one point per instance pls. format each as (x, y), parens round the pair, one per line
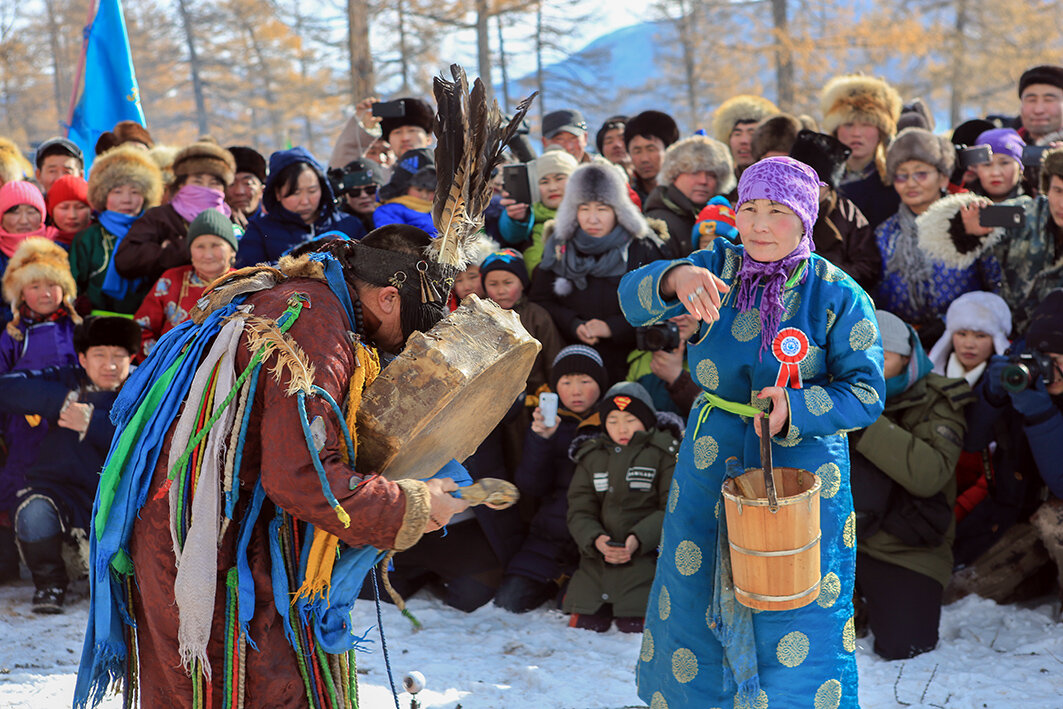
(56, 504)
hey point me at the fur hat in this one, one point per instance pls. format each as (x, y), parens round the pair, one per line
(915, 114)
(37, 259)
(163, 156)
(124, 165)
(417, 113)
(1051, 166)
(632, 398)
(652, 124)
(13, 164)
(249, 160)
(743, 108)
(108, 332)
(697, 153)
(976, 310)
(205, 156)
(922, 145)
(775, 134)
(598, 181)
(123, 132)
(1044, 74)
(855, 97)
(823, 153)
(481, 248)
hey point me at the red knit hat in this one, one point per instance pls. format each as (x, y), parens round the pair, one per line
(67, 188)
(12, 194)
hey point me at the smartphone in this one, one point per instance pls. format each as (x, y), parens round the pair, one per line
(1002, 215)
(1032, 154)
(611, 543)
(548, 408)
(516, 183)
(389, 109)
(975, 155)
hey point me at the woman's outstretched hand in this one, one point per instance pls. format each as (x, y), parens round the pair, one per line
(698, 289)
(780, 410)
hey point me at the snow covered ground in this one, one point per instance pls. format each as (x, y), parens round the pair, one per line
(990, 657)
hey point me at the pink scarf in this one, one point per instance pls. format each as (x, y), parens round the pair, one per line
(191, 200)
(9, 242)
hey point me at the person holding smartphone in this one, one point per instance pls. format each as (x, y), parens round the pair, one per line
(1001, 178)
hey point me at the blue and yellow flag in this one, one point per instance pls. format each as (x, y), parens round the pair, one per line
(109, 91)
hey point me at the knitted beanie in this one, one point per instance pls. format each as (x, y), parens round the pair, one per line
(1003, 141)
(979, 311)
(632, 398)
(506, 260)
(553, 161)
(895, 334)
(717, 216)
(68, 188)
(211, 222)
(12, 194)
(579, 359)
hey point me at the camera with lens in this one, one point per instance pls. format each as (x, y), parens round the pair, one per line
(661, 336)
(1024, 369)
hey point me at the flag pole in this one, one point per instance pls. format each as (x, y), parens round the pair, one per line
(79, 76)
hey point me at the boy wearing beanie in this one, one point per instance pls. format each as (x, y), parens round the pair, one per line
(505, 278)
(904, 490)
(212, 246)
(60, 481)
(616, 507)
(548, 556)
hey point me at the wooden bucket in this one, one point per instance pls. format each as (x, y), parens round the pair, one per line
(774, 555)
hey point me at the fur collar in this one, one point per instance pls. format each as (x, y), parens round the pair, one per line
(941, 233)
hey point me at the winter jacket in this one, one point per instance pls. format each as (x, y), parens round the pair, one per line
(916, 442)
(90, 255)
(617, 491)
(843, 237)
(155, 242)
(168, 304)
(667, 203)
(876, 200)
(271, 235)
(517, 234)
(405, 210)
(67, 466)
(537, 321)
(570, 308)
(545, 471)
(44, 344)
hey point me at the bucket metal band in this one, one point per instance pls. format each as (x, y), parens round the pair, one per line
(781, 552)
(776, 599)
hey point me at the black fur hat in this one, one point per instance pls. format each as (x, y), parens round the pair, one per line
(775, 134)
(823, 153)
(652, 124)
(107, 332)
(418, 113)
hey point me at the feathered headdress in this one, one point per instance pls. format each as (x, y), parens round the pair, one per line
(470, 135)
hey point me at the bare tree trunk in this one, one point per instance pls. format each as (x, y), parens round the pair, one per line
(53, 43)
(539, 78)
(502, 64)
(363, 80)
(687, 39)
(404, 65)
(304, 72)
(193, 63)
(784, 63)
(483, 44)
(959, 51)
(266, 82)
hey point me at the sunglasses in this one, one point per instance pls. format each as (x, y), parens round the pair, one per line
(368, 190)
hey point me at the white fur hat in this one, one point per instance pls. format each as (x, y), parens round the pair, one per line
(977, 310)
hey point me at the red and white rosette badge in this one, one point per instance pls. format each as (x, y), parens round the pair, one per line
(790, 347)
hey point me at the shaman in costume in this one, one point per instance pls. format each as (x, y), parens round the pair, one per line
(233, 528)
(800, 323)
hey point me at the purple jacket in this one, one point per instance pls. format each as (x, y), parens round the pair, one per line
(47, 344)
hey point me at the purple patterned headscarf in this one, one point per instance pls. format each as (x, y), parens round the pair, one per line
(795, 184)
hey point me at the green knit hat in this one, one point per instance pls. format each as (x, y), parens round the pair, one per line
(214, 223)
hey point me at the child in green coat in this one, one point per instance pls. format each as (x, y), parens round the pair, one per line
(615, 508)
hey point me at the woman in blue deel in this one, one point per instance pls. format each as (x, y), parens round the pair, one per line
(782, 330)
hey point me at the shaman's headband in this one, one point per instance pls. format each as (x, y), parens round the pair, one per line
(381, 267)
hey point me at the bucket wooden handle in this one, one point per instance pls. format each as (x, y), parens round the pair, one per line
(765, 463)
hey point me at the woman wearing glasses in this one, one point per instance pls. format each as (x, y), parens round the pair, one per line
(914, 287)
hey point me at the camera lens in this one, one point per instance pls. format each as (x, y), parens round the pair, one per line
(655, 339)
(1015, 377)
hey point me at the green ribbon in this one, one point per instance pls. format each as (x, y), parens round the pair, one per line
(711, 401)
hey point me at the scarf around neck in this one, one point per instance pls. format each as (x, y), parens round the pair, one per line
(909, 262)
(9, 242)
(191, 200)
(772, 275)
(584, 255)
(117, 223)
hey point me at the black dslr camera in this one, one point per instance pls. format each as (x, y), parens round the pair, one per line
(661, 336)
(1024, 369)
